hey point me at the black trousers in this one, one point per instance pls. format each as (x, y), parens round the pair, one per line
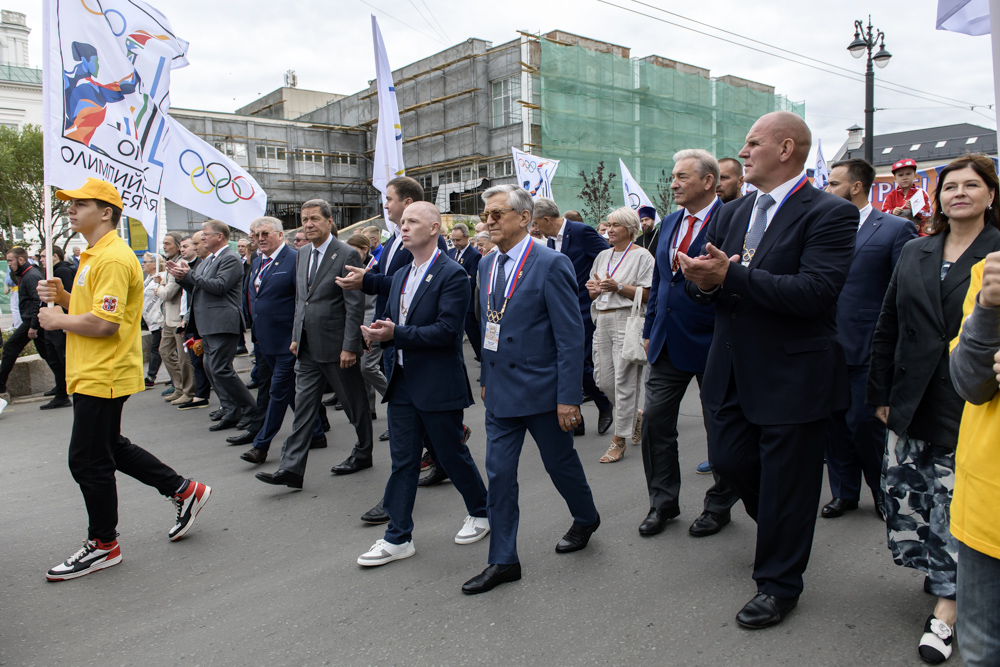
(264, 373)
(590, 387)
(51, 347)
(203, 388)
(778, 472)
(665, 388)
(97, 449)
(473, 332)
(857, 443)
(154, 354)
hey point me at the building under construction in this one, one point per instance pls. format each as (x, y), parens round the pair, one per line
(556, 95)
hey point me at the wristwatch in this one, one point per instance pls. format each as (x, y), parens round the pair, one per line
(620, 287)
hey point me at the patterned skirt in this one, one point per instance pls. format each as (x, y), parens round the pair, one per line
(918, 479)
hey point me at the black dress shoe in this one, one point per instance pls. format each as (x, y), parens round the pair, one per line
(837, 507)
(656, 520)
(223, 425)
(350, 465)
(318, 442)
(253, 384)
(216, 415)
(244, 422)
(374, 415)
(384, 437)
(435, 477)
(605, 420)
(330, 401)
(51, 392)
(491, 577)
(580, 430)
(338, 406)
(879, 499)
(577, 537)
(281, 477)
(244, 438)
(57, 402)
(765, 610)
(254, 455)
(709, 523)
(375, 516)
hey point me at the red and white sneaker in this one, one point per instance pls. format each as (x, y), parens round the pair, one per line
(189, 502)
(95, 555)
(426, 462)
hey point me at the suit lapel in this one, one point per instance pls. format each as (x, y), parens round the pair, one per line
(867, 230)
(425, 281)
(960, 271)
(789, 213)
(738, 226)
(271, 268)
(930, 271)
(324, 264)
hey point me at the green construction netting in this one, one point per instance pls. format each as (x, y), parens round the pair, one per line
(599, 106)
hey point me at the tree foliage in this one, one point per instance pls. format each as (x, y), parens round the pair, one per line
(22, 187)
(596, 194)
(663, 196)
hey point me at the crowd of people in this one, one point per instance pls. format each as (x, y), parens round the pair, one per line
(820, 330)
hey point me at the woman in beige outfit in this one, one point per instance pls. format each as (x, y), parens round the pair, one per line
(618, 274)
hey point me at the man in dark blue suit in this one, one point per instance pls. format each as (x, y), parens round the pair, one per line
(271, 305)
(677, 335)
(468, 257)
(857, 436)
(531, 379)
(428, 385)
(774, 265)
(582, 244)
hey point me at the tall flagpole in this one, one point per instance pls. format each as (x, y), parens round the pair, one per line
(47, 226)
(995, 40)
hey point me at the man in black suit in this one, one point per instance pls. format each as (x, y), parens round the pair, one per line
(468, 257)
(857, 436)
(582, 244)
(774, 266)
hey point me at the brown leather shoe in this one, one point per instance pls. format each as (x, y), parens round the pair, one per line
(254, 455)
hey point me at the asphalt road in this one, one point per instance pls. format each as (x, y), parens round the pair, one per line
(268, 576)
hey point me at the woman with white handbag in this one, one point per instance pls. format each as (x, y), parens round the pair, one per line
(619, 286)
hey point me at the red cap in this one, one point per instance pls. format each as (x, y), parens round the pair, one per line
(905, 162)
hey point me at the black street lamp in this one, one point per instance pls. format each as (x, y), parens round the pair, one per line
(865, 40)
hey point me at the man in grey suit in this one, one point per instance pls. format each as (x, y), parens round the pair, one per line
(326, 339)
(215, 301)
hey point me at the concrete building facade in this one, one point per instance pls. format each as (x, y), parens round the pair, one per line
(20, 84)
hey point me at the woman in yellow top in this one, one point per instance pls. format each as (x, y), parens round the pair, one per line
(975, 372)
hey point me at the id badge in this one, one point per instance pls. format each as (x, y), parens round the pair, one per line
(492, 341)
(605, 297)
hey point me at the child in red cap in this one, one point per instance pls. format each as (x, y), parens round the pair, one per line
(908, 200)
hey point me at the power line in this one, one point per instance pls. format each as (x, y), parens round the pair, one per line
(408, 25)
(431, 12)
(426, 20)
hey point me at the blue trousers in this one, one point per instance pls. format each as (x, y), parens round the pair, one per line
(504, 439)
(409, 428)
(857, 443)
(282, 397)
(203, 388)
(978, 607)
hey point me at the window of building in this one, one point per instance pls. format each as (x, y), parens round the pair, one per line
(466, 173)
(505, 168)
(309, 162)
(271, 158)
(886, 151)
(235, 151)
(484, 171)
(915, 147)
(506, 108)
(344, 158)
(426, 182)
(970, 140)
(940, 144)
(453, 176)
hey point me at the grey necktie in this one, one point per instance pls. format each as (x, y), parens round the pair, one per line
(312, 267)
(501, 281)
(756, 232)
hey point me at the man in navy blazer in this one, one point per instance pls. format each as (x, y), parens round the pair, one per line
(582, 244)
(774, 265)
(271, 304)
(532, 377)
(857, 436)
(468, 257)
(428, 385)
(677, 335)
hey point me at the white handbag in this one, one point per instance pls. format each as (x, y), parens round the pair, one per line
(632, 349)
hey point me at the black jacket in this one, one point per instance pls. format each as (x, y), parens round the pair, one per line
(65, 272)
(27, 294)
(920, 316)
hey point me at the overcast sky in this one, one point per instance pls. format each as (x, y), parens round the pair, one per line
(241, 51)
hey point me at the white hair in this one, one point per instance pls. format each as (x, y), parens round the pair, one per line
(517, 197)
(705, 162)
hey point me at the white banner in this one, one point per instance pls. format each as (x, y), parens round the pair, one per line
(388, 161)
(534, 174)
(106, 96)
(635, 197)
(822, 175)
(971, 17)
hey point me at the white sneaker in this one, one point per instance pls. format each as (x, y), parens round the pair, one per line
(383, 552)
(935, 644)
(475, 529)
(92, 557)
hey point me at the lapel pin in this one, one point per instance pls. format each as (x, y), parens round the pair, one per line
(428, 278)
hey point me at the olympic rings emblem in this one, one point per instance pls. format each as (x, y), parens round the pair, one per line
(105, 13)
(220, 182)
(633, 201)
(528, 166)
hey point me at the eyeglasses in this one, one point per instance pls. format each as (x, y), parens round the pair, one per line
(495, 213)
(262, 235)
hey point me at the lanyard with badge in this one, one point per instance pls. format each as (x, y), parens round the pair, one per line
(493, 317)
(403, 308)
(748, 254)
(611, 272)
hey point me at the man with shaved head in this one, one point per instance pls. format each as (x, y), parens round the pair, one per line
(774, 266)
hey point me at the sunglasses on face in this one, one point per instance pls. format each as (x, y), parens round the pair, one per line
(496, 213)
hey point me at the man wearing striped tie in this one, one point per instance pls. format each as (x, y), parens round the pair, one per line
(774, 265)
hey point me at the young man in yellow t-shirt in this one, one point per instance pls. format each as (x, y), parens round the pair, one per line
(104, 368)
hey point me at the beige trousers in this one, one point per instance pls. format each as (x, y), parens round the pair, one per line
(176, 359)
(620, 381)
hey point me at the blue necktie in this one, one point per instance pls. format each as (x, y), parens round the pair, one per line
(501, 281)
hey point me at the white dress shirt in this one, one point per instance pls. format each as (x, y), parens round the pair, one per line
(683, 227)
(409, 291)
(559, 236)
(512, 256)
(778, 194)
(322, 253)
(391, 252)
(863, 215)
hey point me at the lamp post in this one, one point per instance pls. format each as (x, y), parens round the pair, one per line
(865, 40)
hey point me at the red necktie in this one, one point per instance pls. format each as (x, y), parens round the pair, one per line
(685, 242)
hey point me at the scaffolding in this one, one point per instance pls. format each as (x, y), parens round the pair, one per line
(600, 105)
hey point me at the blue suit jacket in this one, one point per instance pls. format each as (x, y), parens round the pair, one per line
(539, 361)
(876, 251)
(582, 244)
(775, 320)
(675, 322)
(470, 262)
(431, 339)
(273, 306)
(379, 282)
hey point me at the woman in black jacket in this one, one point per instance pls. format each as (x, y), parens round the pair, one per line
(910, 383)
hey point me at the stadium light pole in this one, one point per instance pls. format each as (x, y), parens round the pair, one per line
(865, 40)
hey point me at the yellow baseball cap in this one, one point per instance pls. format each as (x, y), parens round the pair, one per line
(94, 188)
